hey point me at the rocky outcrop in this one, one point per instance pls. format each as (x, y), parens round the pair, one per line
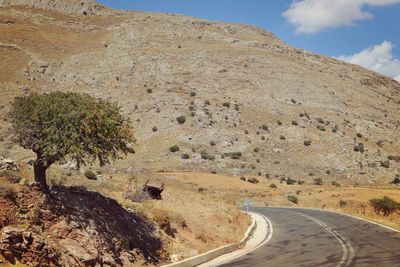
(27, 247)
(74, 227)
(8, 164)
(76, 7)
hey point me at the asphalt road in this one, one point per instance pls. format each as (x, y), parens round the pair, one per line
(303, 237)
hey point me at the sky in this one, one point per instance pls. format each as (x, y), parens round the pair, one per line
(363, 32)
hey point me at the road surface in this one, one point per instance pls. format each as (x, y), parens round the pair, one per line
(303, 237)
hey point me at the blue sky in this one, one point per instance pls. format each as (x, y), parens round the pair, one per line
(354, 30)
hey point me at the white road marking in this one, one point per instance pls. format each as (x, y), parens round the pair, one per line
(265, 241)
(348, 250)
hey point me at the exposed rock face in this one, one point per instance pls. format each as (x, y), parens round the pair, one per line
(8, 164)
(77, 228)
(27, 247)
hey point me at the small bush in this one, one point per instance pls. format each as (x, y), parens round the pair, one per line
(234, 155)
(298, 192)
(290, 181)
(320, 120)
(282, 137)
(321, 128)
(342, 203)
(318, 181)
(334, 183)
(279, 122)
(294, 123)
(191, 108)
(185, 156)
(149, 90)
(384, 205)
(394, 158)
(253, 180)
(91, 175)
(226, 104)
(207, 102)
(154, 129)
(300, 182)
(396, 180)
(293, 199)
(256, 149)
(206, 156)
(181, 119)
(174, 148)
(212, 143)
(192, 93)
(385, 164)
(273, 186)
(264, 127)
(359, 135)
(243, 178)
(359, 148)
(307, 142)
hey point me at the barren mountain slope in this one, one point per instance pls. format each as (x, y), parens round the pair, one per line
(240, 89)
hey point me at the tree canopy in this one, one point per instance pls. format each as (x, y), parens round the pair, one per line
(66, 124)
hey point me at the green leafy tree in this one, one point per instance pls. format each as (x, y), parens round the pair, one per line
(61, 125)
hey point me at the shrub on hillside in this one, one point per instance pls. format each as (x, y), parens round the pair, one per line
(293, 199)
(91, 175)
(206, 156)
(185, 156)
(384, 206)
(385, 164)
(318, 181)
(334, 183)
(181, 119)
(307, 142)
(243, 178)
(342, 203)
(174, 148)
(290, 181)
(154, 129)
(396, 180)
(359, 148)
(300, 182)
(273, 186)
(253, 180)
(226, 104)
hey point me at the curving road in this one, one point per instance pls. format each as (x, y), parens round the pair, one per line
(303, 237)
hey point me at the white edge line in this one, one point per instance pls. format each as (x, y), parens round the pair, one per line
(265, 241)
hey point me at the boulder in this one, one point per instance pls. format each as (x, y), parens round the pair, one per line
(8, 164)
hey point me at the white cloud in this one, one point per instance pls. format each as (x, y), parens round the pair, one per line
(378, 58)
(312, 16)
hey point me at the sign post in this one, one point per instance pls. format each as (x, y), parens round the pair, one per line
(247, 204)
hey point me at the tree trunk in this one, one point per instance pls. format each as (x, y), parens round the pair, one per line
(40, 174)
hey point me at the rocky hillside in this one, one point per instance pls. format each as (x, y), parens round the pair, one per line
(247, 102)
